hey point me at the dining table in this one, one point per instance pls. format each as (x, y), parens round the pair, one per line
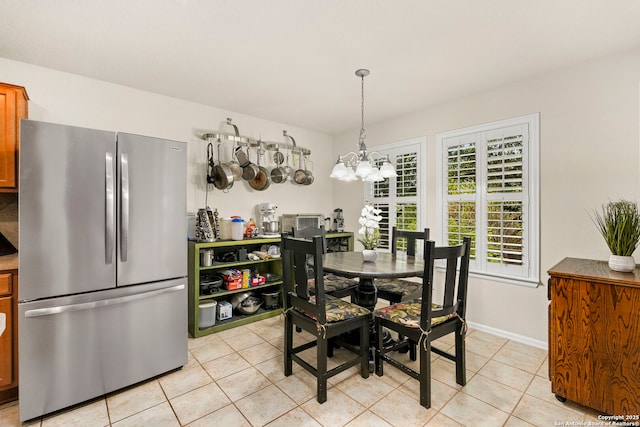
(386, 266)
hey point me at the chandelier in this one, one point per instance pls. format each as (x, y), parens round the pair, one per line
(363, 165)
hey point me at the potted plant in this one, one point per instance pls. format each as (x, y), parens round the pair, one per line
(369, 231)
(619, 224)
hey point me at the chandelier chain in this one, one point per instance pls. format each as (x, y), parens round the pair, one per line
(362, 133)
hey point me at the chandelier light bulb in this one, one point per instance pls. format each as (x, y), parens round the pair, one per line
(387, 170)
(364, 168)
(339, 170)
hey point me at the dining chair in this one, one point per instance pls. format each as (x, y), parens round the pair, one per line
(423, 320)
(322, 315)
(333, 285)
(394, 290)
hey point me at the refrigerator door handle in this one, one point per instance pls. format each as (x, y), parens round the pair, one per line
(39, 312)
(124, 206)
(109, 198)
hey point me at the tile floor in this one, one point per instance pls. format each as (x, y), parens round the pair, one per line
(234, 378)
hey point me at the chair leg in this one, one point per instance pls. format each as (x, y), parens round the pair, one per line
(379, 351)
(461, 369)
(364, 350)
(288, 345)
(412, 350)
(425, 373)
(321, 356)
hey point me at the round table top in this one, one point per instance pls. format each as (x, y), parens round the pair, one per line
(386, 266)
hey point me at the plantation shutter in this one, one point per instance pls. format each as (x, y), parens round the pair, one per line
(461, 170)
(505, 210)
(398, 198)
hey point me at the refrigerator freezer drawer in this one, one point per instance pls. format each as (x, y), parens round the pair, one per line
(76, 348)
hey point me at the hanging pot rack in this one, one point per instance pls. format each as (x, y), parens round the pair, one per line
(221, 137)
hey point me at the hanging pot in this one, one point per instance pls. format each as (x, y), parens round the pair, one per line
(289, 170)
(236, 170)
(309, 179)
(278, 174)
(222, 175)
(303, 176)
(300, 175)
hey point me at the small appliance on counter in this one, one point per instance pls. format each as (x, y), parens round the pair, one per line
(268, 225)
(338, 220)
(301, 221)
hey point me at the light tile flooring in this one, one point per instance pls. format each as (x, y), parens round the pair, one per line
(235, 378)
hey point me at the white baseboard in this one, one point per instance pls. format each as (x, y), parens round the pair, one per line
(510, 335)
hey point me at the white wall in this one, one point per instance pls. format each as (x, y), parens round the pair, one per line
(70, 99)
(589, 154)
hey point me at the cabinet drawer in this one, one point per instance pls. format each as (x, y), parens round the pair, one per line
(5, 283)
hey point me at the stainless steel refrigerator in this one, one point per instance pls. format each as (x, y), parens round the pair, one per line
(102, 299)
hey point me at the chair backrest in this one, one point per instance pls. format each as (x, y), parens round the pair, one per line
(309, 232)
(412, 239)
(455, 280)
(297, 277)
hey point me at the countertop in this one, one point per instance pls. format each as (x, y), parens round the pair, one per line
(9, 262)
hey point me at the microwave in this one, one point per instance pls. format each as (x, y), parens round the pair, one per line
(300, 221)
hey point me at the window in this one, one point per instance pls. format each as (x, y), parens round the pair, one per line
(488, 190)
(401, 198)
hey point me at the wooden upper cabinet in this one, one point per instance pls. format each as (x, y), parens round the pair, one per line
(13, 107)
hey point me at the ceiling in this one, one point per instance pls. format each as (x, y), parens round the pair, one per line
(293, 61)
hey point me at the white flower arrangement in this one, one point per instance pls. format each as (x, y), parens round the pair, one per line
(369, 226)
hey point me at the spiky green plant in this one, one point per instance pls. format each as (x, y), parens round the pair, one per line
(619, 224)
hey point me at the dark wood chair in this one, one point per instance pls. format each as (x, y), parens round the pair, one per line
(423, 321)
(333, 285)
(394, 290)
(322, 315)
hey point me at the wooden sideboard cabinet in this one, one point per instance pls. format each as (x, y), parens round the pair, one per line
(594, 336)
(13, 107)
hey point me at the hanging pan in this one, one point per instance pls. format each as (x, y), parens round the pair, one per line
(261, 181)
(222, 174)
(300, 175)
(279, 173)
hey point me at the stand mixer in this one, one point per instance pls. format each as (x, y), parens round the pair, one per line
(268, 224)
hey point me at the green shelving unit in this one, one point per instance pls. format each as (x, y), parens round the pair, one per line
(335, 242)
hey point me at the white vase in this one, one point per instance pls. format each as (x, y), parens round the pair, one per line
(369, 255)
(623, 264)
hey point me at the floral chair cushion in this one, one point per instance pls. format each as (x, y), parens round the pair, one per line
(408, 313)
(333, 283)
(395, 286)
(337, 309)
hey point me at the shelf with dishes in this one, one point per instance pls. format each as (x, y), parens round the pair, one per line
(210, 291)
(227, 288)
